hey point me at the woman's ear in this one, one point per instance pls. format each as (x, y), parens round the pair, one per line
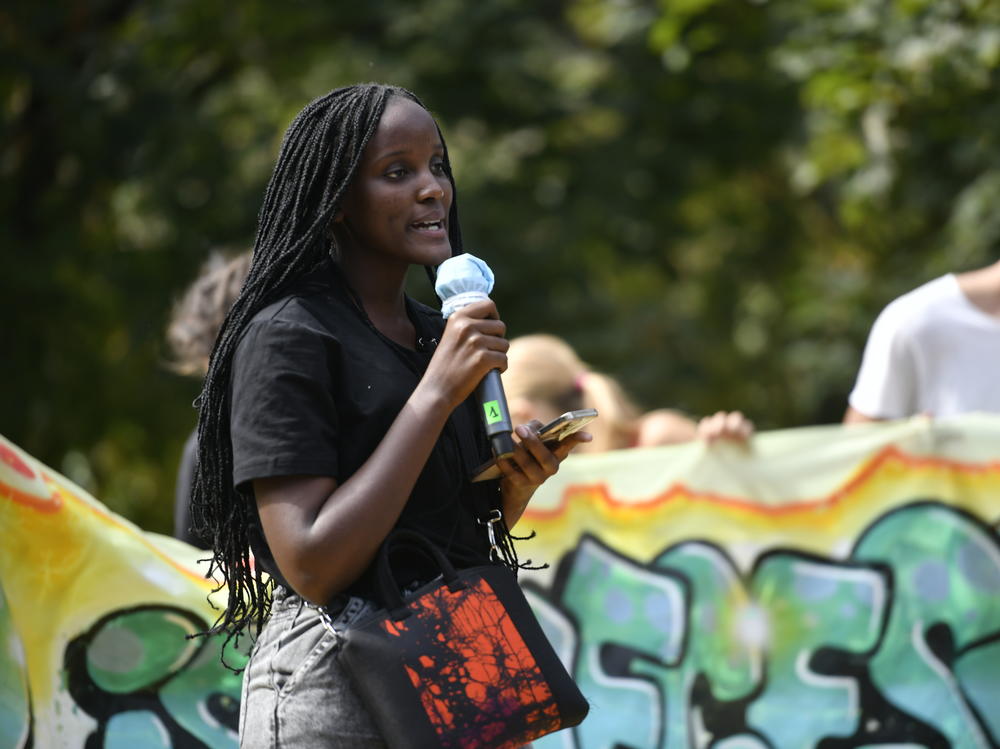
(335, 232)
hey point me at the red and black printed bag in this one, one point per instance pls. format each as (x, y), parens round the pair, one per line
(459, 663)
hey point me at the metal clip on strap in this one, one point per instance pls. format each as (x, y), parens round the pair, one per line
(495, 516)
(324, 617)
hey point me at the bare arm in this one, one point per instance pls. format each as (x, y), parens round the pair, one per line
(323, 535)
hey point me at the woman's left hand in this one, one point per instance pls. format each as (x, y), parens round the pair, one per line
(531, 464)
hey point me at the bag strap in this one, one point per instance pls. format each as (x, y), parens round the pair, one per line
(406, 539)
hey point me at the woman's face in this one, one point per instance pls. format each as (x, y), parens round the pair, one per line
(396, 209)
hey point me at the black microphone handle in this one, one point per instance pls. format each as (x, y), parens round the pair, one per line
(496, 416)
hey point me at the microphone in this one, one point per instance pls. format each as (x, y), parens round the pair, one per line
(461, 280)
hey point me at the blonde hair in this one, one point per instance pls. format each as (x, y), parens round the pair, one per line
(198, 315)
(545, 369)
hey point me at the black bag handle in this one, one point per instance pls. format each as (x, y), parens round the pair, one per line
(403, 538)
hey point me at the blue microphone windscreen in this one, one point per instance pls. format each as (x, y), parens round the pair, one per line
(462, 274)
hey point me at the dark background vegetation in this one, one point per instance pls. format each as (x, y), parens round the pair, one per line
(711, 199)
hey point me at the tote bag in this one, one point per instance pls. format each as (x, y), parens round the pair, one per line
(461, 662)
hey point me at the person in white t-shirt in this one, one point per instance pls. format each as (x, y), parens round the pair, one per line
(934, 350)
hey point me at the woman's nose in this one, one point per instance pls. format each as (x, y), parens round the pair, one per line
(431, 189)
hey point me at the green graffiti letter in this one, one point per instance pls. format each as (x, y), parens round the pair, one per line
(717, 645)
(640, 613)
(807, 605)
(946, 572)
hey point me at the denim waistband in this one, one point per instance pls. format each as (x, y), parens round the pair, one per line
(341, 612)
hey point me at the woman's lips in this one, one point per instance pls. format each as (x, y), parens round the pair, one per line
(434, 226)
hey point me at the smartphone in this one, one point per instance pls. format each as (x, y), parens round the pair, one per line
(556, 430)
(563, 426)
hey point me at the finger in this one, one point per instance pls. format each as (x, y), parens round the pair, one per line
(526, 462)
(490, 327)
(482, 310)
(536, 449)
(522, 469)
(565, 446)
(710, 427)
(509, 468)
(734, 425)
(534, 425)
(489, 360)
(496, 343)
(738, 427)
(463, 326)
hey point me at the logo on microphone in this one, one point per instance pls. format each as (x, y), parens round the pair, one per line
(492, 411)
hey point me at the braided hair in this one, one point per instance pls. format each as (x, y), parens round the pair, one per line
(318, 159)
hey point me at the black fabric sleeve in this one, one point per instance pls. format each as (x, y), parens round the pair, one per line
(283, 416)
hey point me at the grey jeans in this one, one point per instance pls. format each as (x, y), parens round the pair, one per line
(295, 695)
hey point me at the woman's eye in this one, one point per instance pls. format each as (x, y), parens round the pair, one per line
(438, 168)
(398, 173)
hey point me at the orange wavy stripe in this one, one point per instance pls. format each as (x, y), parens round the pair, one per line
(679, 491)
(51, 504)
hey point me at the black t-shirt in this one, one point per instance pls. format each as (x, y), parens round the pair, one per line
(315, 387)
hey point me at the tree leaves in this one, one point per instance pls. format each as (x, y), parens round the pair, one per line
(711, 199)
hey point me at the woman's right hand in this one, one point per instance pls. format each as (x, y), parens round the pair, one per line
(473, 343)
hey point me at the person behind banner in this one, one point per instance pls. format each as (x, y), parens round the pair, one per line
(545, 377)
(935, 350)
(194, 325)
(336, 408)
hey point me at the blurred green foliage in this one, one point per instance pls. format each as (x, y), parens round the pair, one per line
(711, 199)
